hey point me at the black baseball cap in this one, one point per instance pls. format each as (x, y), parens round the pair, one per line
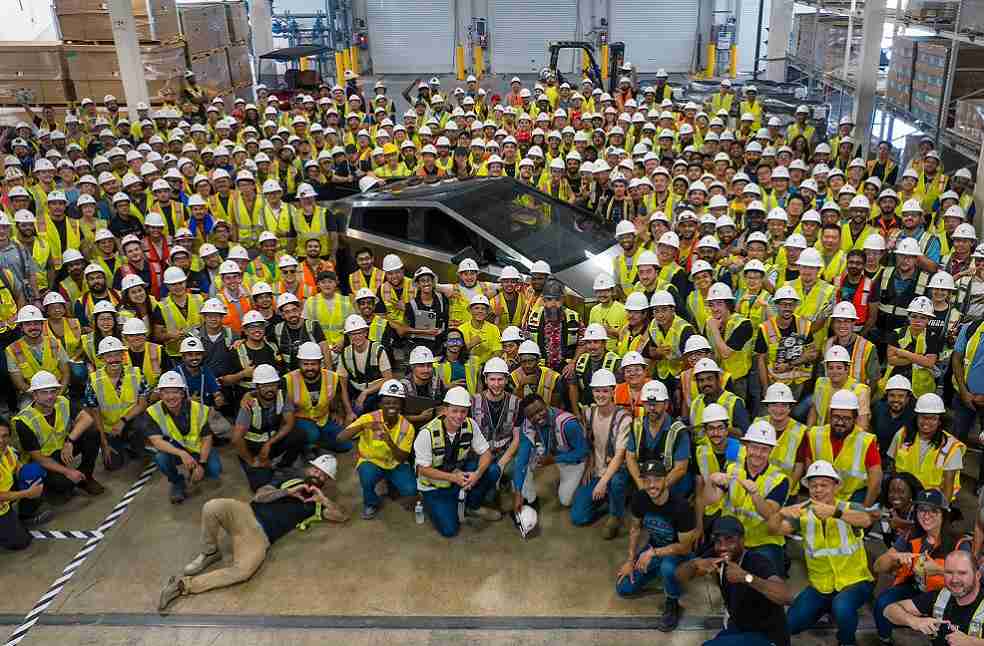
(654, 469)
(930, 498)
(728, 526)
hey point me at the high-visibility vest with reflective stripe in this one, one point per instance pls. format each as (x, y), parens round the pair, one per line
(316, 229)
(471, 374)
(28, 364)
(545, 386)
(627, 341)
(923, 379)
(740, 362)
(976, 626)
(298, 390)
(50, 438)
(500, 308)
(396, 303)
(738, 503)
(278, 223)
(929, 469)
(835, 555)
(249, 223)
(460, 298)
(255, 432)
(55, 243)
(673, 364)
(860, 355)
(175, 321)
(625, 276)
(115, 400)
(824, 390)
(357, 280)
(235, 311)
(220, 212)
(190, 439)
(641, 426)
(438, 449)
(151, 368)
(708, 463)
(698, 309)
(849, 462)
(812, 303)
(8, 467)
(796, 374)
(970, 352)
(726, 399)
(329, 315)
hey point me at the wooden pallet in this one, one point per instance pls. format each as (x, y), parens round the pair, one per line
(197, 56)
(178, 40)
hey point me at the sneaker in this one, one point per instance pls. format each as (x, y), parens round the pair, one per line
(369, 512)
(671, 616)
(172, 590)
(38, 519)
(484, 513)
(178, 494)
(610, 528)
(201, 562)
(91, 487)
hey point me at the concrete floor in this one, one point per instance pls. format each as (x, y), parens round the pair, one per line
(371, 582)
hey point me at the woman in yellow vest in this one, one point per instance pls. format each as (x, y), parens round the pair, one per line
(104, 324)
(928, 452)
(913, 351)
(836, 561)
(785, 456)
(458, 368)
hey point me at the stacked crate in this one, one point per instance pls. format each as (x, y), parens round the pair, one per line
(821, 42)
(899, 85)
(216, 43)
(930, 75)
(87, 21)
(33, 72)
(240, 69)
(969, 122)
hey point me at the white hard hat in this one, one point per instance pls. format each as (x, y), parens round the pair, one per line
(719, 292)
(696, 343)
(259, 288)
(51, 298)
(844, 400)
(29, 313)
(930, 404)
(822, 468)
(602, 281)
(911, 206)
(267, 236)
(526, 520)
(153, 220)
(191, 344)
(458, 396)
(636, 302)
(133, 326)
(595, 332)
(310, 351)
(941, 280)
(753, 265)
(907, 247)
(327, 464)
(354, 323)
(508, 273)
(287, 260)
(479, 299)
(392, 262)
(421, 355)
(714, 413)
(265, 374)
(529, 347)
(72, 255)
(253, 317)
(964, 230)
(171, 379)
(810, 258)
(859, 202)
(364, 292)
(778, 393)
(174, 275)
(837, 353)
(647, 257)
(512, 334)
(700, 265)
(271, 186)
(661, 298)
(229, 267)
(706, 365)
(603, 378)
(368, 182)
(654, 391)
(709, 241)
(786, 292)
(624, 228)
(898, 382)
(921, 305)
(468, 264)
(110, 344)
(214, 306)
(540, 267)
(632, 358)
(43, 380)
(286, 299)
(760, 432)
(874, 242)
(844, 310)
(306, 190)
(495, 365)
(392, 388)
(103, 307)
(670, 239)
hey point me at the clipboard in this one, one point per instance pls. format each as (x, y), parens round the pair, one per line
(414, 404)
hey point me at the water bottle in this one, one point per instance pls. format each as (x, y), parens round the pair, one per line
(461, 505)
(418, 512)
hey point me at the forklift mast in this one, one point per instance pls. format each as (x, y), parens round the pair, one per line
(616, 57)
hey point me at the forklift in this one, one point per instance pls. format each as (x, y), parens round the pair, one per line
(616, 57)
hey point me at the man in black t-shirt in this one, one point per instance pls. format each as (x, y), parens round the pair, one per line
(672, 526)
(754, 595)
(945, 616)
(274, 511)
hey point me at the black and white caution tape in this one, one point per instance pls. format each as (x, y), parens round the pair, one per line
(59, 584)
(84, 534)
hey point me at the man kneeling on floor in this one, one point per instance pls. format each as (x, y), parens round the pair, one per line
(274, 511)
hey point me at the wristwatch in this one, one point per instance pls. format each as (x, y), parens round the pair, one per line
(749, 579)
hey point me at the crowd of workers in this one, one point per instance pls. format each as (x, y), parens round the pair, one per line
(772, 354)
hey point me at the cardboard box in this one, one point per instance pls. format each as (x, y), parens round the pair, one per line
(205, 27)
(212, 72)
(930, 77)
(98, 89)
(240, 72)
(100, 62)
(156, 20)
(238, 22)
(42, 60)
(969, 121)
(13, 91)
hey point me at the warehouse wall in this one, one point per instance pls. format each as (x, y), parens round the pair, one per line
(27, 20)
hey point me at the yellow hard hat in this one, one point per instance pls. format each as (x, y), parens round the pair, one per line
(390, 149)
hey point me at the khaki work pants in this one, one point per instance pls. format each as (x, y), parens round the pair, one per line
(249, 544)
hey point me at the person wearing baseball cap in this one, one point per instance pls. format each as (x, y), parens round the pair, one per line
(274, 511)
(832, 530)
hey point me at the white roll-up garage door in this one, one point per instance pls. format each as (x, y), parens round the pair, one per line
(660, 34)
(411, 37)
(747, 29)
(522, 29)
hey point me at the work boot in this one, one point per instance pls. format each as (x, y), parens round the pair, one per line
(201, 562)
(178, 494)
(172, 590)
(671, 616)
(485, 513)
(91, 487)
(611, 527)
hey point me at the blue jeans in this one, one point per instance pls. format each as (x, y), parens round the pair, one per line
(401, 478)
(442, 504)
(776, 554)
(965, 420)
(585, 510)
(731, 636)
(802, 408)
(845, 605)
(659, 567)
(168, 464)
(324, 434)
(885, 599)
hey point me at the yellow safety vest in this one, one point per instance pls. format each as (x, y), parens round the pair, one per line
(740, 362)
(471, 374)
(835, 555)
(115, 400)
(674, 364)
(47, 228)
(849, 462)
(51, 438)
(255, 433)
(738, 503)
(976, 626)
(357, 281)
(278, 223)
(175, 321)
(824, 390)
(697, 307)
(708, 463)
(625, 276)
(923, 379)
(29, 366)
(929, 469)
(330, 316)
(545, 385)
(191, 440)
(151, 368)
(783, 454)
(395, 303)
(302, 397)
(726, 399)
(500, 308)
(316, 229)
(438, 449)
(249, 223)
(8, 468)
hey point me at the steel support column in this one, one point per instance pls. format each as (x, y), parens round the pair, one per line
(780, 28)
(867, 73)
(128, 52)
